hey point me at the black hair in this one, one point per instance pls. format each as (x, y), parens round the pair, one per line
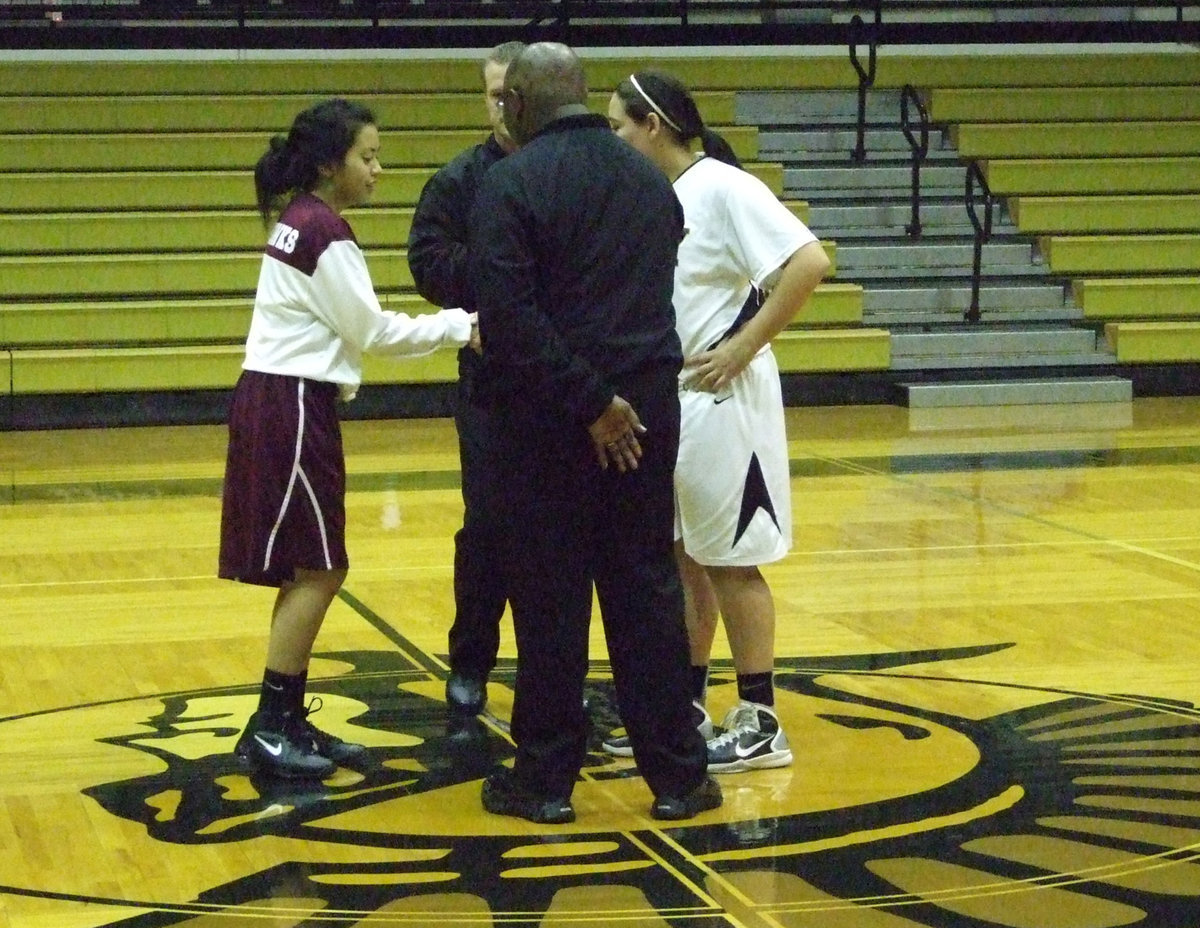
(320, 136)
(672, 101)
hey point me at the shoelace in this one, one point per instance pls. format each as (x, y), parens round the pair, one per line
(728, 736)
(307, 728)
(740, 725)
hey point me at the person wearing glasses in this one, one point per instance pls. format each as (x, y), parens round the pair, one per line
(732, 482)
(573, 242)
(437, 256)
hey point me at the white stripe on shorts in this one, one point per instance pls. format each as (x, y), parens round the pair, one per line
(298, 474)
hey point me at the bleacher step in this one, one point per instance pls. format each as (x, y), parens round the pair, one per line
(881, 179)
(838, 139)
(985, 340)
(839, 221)
(944, 316)
(889, 275)
(911, 304)
(998, 298)
(976, 347)
(771, 107)
(1022, 392)
(925, 253)
(1071, 417)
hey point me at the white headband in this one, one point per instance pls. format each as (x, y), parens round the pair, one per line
(654, 106)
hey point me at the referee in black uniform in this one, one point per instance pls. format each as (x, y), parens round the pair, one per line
(437, 255)
(573, 241)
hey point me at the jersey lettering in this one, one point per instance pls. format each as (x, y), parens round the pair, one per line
(284, 238)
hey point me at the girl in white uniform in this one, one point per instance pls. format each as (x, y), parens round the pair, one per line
(732, 485)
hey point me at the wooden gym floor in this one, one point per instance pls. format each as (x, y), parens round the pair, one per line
(989, 670)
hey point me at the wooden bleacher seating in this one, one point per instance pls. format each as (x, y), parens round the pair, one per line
(1076, 139)
(130, 255)
(129, 242)
(1102, 213)
(1110, 298)
(1108, 178)
(1154, 342)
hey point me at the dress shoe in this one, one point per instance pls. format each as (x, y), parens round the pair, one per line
(466, 694)
(704, 797)
(502, 795)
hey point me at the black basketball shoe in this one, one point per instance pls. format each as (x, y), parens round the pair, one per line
(331, 746)
(752, 740)
(280, 746)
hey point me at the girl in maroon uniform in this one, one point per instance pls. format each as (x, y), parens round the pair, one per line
(315, 314)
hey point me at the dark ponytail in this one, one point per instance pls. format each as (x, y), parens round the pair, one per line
(715, 146)
(646, 92)
(274, 178)
(320, 137)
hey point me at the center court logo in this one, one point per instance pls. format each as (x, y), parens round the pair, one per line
(913, 801)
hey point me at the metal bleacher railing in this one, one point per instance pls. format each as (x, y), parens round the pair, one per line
(977, 190)
(474, 23)
(917, 135)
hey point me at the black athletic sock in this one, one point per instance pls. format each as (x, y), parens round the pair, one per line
(699, 682)
(756, 687)
(282, 693)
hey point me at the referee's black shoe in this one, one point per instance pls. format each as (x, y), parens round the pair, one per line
(702, 798)
(280, 746)
(464, 694)
(502, 795)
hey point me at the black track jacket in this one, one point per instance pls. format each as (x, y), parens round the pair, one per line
(437, 241)
(573, 243)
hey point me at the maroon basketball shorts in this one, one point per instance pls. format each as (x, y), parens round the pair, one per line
(284, 503)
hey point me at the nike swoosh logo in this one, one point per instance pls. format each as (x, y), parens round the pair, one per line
(746, 752)
(717, 401)
(273, 749)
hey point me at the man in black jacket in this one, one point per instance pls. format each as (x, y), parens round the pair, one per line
(573, 242)
(437, 255)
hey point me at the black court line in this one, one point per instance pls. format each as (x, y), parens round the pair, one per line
(418, 656)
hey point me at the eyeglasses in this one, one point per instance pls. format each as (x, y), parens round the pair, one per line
(511, 91)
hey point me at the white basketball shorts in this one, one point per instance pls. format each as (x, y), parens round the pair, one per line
(733, 503)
